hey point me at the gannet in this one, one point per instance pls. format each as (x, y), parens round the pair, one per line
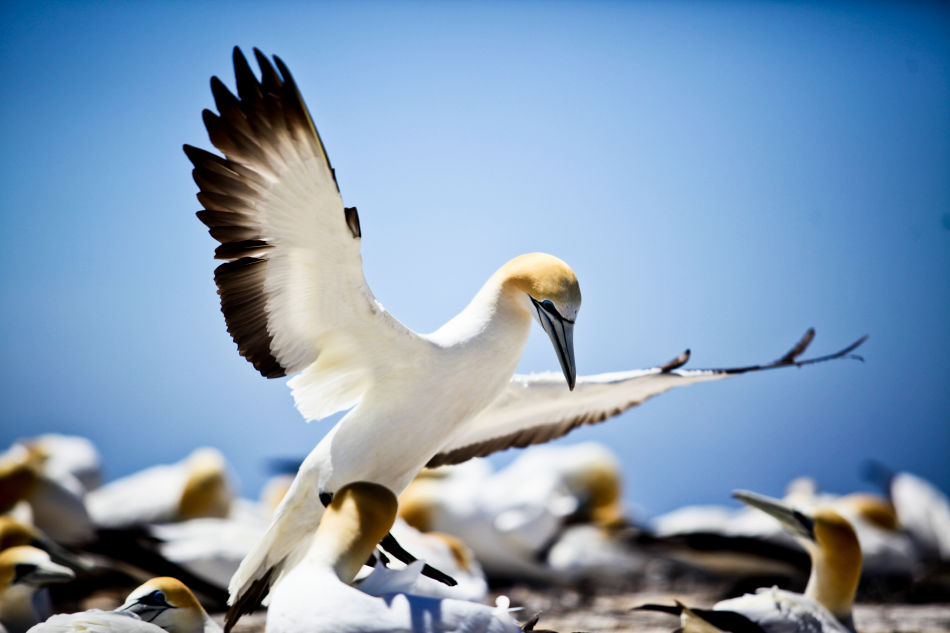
(295, 301)
(24, 573)
(160, 605)
(194, 487)
(57, 506)
(14, 533)
(825, 606)
(314, 595)
(58, 511)
(170, 604)
(738, 543)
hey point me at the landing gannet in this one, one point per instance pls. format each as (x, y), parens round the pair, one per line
(160, 605)
(24, 573)
(314, 595)
(296, 302)
(825, 607)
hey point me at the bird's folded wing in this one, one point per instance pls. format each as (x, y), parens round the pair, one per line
(539, 408)
(292, 287)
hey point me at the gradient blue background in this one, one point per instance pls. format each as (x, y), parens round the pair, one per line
(721, 176)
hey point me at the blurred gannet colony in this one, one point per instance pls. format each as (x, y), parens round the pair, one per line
(553, 517)
(394, 522)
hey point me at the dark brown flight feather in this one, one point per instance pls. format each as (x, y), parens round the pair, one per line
(259, 130)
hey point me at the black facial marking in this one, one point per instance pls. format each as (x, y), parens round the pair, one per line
(22, 570)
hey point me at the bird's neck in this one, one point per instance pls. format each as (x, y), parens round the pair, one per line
(341, 553)
(834, 581)
(499, 312)
(17, 613)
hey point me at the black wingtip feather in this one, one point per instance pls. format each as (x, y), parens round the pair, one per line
(269, 80)
(249, 601)
(247, 85)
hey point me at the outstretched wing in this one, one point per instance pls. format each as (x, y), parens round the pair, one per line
(538, 408)
(292, 287)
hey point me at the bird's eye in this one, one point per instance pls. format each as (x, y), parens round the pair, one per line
(154, 599)
(548, 305)
(22, 570)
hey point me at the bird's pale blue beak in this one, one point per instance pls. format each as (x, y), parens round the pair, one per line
(790, 518)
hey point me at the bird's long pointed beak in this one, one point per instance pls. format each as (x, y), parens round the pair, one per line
(50, 573)
(143, 612)
(561, 332)
(791, 519)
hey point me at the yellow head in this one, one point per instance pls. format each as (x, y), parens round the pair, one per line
(20, 471)
(206, 492)
(14, 533)
(549, 291)
(358, 517)
(168, 603)
(874, 509)
(26, 565)
(545, 278)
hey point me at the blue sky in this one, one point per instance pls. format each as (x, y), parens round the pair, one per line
(721, 176)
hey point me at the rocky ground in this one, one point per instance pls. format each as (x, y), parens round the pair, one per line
(567, 611)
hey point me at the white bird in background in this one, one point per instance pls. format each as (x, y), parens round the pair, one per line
(24, 573)
(197, 486)
(67, 457)
(296, 302)
(922, 509)
(510, 517)
(56, 504)
(314, 596)
(160, 605)
(825, 606)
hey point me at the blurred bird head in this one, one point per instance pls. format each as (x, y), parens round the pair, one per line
(207, 492)
(832, 545)
(552, 296)
(26, 565)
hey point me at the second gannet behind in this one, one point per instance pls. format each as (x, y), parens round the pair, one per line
(314, 596)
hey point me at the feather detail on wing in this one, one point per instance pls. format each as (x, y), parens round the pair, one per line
(292, 288)
(539, 408)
